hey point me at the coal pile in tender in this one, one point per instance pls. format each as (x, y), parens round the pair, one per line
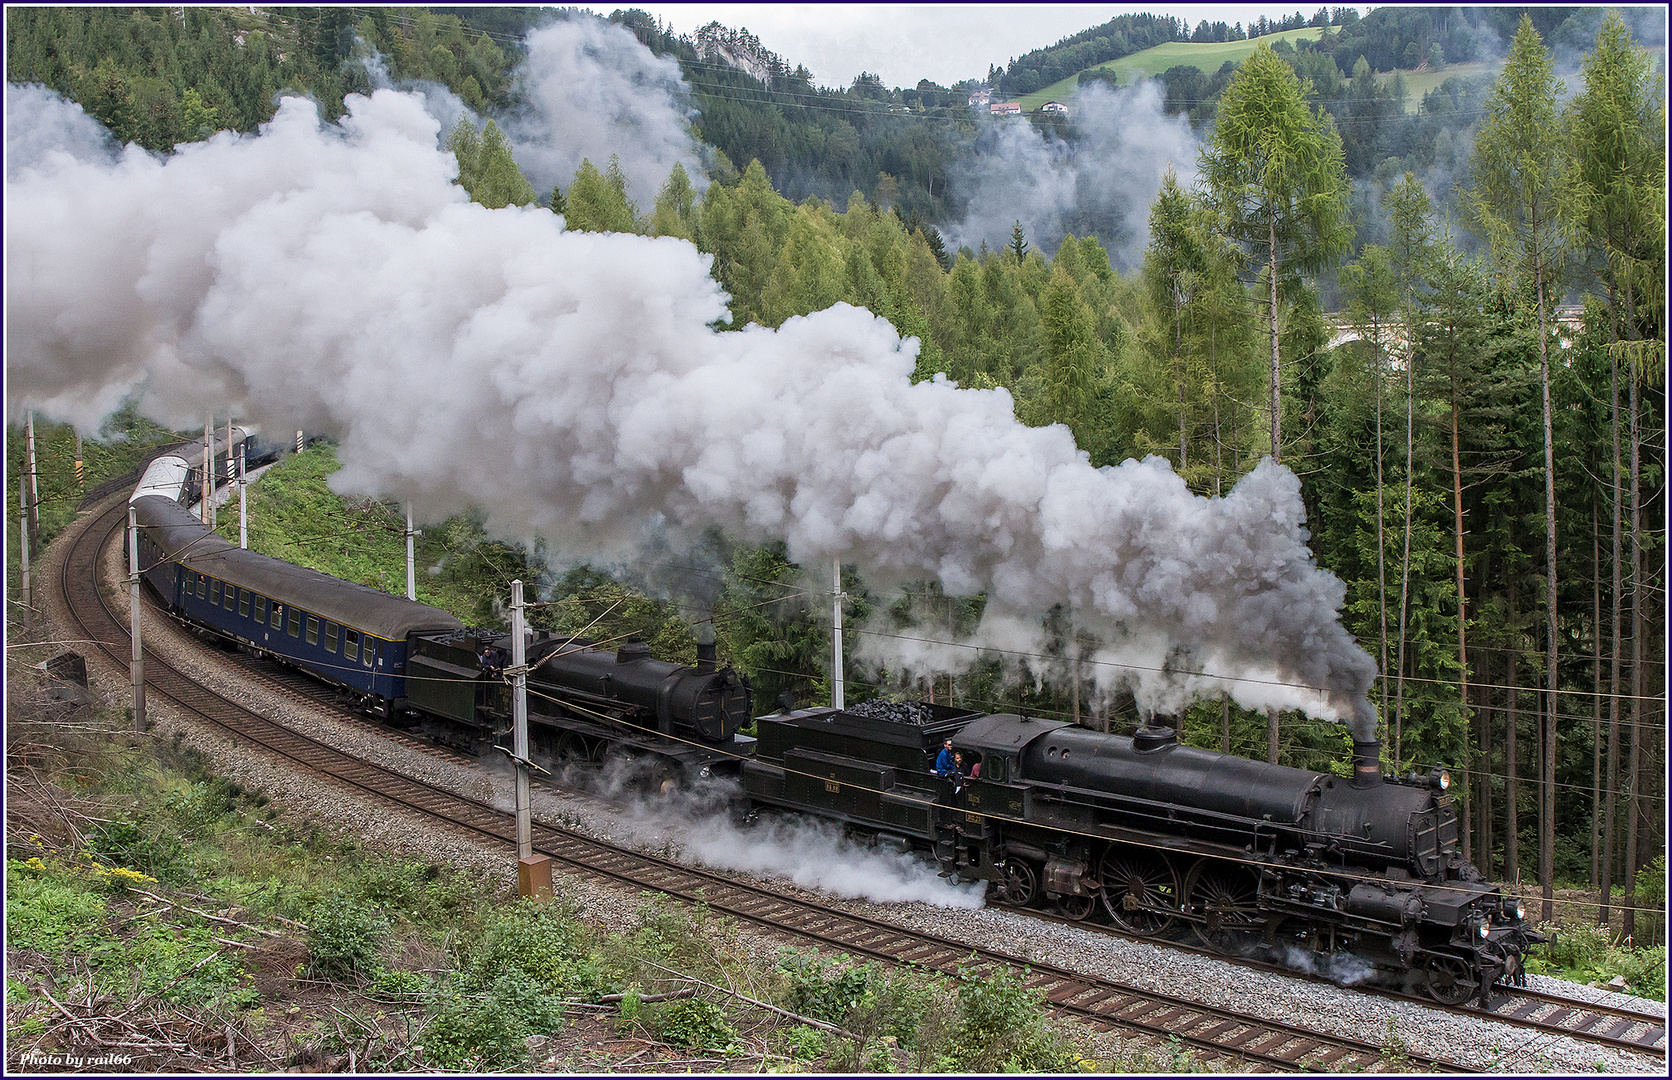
(915, 713)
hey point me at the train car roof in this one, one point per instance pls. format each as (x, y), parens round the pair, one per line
(173, 528)
(183, 538)
(1003, 732)
(165, 476)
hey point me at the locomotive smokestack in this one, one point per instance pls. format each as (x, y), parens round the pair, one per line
(1367, 763)
(706, 661)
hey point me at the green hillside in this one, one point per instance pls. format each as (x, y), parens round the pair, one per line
(1423, 80)
(1207, 55)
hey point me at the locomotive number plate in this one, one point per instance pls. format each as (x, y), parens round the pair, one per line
(831, 785)
(973, 819)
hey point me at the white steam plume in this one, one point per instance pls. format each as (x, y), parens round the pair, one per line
(41, 124)
(332, 278)
(594, 90)
(1100, 185)
(693, 825)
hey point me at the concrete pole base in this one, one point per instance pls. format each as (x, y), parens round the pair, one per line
(534, 877)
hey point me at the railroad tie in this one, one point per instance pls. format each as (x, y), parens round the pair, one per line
(1069, 989)
(1212, 1034)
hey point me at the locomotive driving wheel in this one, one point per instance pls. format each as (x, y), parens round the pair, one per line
(1296, 937)
(1450, 980)
(1135, 884)
(1020, 885)
(570, 749)
(1075, 907)
(1227, 898)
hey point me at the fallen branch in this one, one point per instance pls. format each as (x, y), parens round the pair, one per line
(808, 1020)
(645, 999)
(206, 915)
(171, 982)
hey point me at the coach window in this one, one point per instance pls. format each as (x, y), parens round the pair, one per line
(214, 593)
(202, 586)
(295, 622)
(351, 644)
(330, 636)
(230, 597)
(366, 657)
(244, 603)
(260, 608)
(313, 630)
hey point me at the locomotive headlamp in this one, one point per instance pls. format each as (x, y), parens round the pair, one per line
(1512, 907)
(1484, 929)
(1440, 779)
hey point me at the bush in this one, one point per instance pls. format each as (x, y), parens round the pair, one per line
(133, 840)
(46, 913)
(823, 989)
(867, 1002)
(1644, 970)
(1001, 1027)
(344, 939)
(1650, 894)
(804, 1043)
(486, 1030)
(696, 1023)
(1586, 953)
(543, 942)
(170, 961)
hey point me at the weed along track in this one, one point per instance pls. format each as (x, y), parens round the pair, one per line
(1219, 1037)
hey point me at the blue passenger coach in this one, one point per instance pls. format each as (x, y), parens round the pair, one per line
(345, 633)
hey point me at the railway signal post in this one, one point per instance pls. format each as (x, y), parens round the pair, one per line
(136, 667)
(534, 872)
(23, 537)
(411, 577)
(836, 701)
(208, 471)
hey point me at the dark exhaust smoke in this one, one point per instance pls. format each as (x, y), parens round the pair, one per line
(707, 659)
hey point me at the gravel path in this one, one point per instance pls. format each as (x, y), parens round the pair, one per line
(1480, 1043)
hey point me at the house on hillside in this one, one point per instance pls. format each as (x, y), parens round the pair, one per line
(1053, 106)
(979, 99)
(1005, 108)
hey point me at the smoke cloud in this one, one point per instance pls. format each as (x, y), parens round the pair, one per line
(593, 90)
(1099, 185)
(693, 825)
(42, 125)
(331, 277)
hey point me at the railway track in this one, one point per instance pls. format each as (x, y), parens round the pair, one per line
(1617, 1027)
(1218, 1037)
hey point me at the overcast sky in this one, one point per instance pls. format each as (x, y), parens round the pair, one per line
(942, 42)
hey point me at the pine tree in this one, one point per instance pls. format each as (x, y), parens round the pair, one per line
(1018, 244)
(1527, 201)
(1274, 168)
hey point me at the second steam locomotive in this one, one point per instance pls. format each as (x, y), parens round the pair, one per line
(1157, 837)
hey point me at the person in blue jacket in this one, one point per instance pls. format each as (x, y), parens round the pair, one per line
(946, 762)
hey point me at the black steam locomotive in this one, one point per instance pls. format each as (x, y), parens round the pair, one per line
(1158, 837)
(586, 703)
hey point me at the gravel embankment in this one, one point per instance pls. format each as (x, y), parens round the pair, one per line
(1476, 1042)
